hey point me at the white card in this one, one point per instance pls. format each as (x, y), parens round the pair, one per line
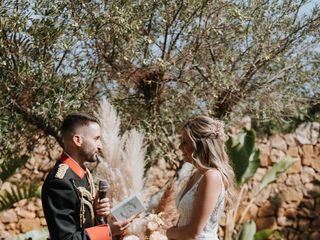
(127, 208)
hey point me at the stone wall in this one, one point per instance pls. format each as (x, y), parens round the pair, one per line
(291, 205)
(27, 215)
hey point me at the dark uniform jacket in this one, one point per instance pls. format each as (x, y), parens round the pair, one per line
(67, 194)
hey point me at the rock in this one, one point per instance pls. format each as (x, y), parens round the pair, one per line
(307, 174)
(11, 226)
(304, 224)
(2, 227)
(291, 212)
(296, 167)
(315, 235)
(315, 224)
(290, 139)
(26, 172)
(266, 210)
(263, 223)
(38, 203)
(6, 186)
(293, 180)
(43, 221)
(290, 194)
(21, 203)
(307, 133)
(307, 151)
(8, 216)
(293, 151)
(282, 178)
(264, 160)
(279, 143)
(308, 203)
(316, 164)
(281, 211)
(303, 235)
(264, 148)
(259, 174)
(284, 222)
(40, 213)
(29, 166)
(5, 235)
(293, 235)
(31, 206)
(26, 225)
(16, 177)
(45, 165)
(306, 213)
(310, 158)
(263, 196)
(317, 207)
(253, 211)
(240, 212)
(312, 190)
(25, 213)
(317, 149)
(276, 155)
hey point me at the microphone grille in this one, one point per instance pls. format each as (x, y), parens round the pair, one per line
(103, 185)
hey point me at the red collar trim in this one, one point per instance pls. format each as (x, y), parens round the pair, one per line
(73, 165)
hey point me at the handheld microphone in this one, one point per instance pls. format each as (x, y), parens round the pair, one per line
(103, 187)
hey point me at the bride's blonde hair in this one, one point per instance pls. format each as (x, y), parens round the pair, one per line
(208, 138)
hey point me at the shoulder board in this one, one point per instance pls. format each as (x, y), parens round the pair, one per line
(61, 171)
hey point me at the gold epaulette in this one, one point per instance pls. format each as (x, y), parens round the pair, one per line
(61, 171)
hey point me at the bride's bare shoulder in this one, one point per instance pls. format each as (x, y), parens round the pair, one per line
(213, 176)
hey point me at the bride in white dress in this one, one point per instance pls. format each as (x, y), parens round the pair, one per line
(211, 186)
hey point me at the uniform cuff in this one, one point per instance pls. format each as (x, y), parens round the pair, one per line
(100, 232)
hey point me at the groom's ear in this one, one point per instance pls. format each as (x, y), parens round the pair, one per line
(77, 140)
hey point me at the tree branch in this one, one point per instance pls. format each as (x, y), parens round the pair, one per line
(39, 122)
(61, 60)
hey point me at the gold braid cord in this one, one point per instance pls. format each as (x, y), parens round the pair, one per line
(87, 198)
(91, 183)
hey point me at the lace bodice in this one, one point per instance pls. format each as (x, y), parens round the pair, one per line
(185, 204)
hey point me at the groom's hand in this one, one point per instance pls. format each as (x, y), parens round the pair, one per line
(101, 207)
(117, 228)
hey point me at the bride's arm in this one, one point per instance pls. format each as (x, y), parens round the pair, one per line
(205, 201)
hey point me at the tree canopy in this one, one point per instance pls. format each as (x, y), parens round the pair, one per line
(158, 62)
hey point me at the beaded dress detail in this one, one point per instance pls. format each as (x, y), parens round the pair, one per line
(185, 205)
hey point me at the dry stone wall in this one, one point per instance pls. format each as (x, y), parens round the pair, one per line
(291, 205)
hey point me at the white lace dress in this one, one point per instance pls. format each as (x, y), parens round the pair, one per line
(185, 205)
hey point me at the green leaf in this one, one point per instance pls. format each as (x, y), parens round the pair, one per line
(248, 231)
(266, 234)
(17, 193)
(277, 169)
(244, 155)
(263, 234)
(8, 167)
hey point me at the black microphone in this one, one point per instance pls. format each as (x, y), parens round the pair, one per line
(103, 187)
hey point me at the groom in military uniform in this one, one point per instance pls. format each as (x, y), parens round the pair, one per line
(71, 206)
